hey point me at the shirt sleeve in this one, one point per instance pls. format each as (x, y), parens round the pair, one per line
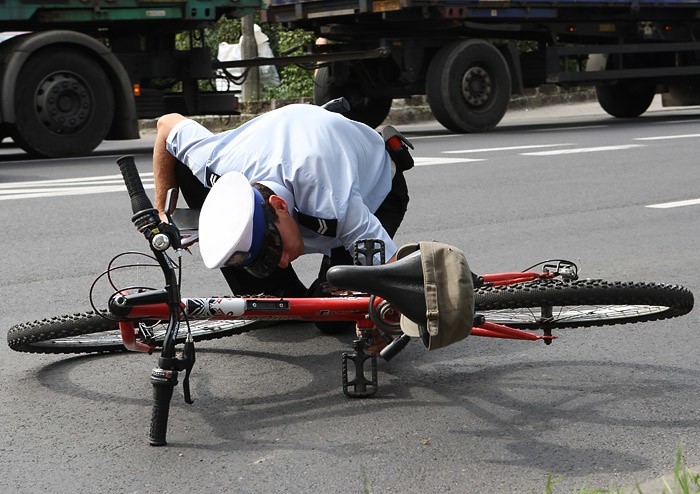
(191, 144)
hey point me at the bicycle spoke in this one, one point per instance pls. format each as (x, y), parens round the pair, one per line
(572, 313)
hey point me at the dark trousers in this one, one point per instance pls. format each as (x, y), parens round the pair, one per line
(285, 282)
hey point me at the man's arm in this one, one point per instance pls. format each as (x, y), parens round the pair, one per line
(163, 162)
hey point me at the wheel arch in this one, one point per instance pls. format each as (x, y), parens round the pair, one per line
(125, 122)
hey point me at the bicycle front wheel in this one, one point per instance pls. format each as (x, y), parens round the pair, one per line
(546, 304)
(90, 332)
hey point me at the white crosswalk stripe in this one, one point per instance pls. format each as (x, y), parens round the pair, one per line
(68, 187)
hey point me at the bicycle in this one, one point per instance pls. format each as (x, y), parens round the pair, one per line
(525, 305)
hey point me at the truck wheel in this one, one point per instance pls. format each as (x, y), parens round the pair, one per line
(626, 99)
(63, 104)
(468, 86)
(370, 110)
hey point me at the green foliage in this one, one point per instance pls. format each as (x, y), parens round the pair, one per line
(296, 81)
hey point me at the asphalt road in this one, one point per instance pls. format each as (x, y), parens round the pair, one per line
(598, 408)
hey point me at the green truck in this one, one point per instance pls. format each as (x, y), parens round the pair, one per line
(76, 72)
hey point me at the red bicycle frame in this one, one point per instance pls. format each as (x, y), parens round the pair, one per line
(342, 308)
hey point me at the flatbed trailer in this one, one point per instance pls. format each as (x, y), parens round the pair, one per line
(470, 56)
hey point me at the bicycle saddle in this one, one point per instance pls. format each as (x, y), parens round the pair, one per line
(400, 283)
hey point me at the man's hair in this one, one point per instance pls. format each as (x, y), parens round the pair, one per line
(266, 192)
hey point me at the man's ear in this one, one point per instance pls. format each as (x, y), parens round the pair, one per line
(277, 203)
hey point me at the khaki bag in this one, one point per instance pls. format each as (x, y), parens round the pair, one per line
(449, 295)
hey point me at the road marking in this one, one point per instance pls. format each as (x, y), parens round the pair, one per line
(579, 127)
(437, 136)
(683, 121)
(675, 204)
(658, 138)
(442, 161)
(584, 150)
(508, 148)
(68, 187)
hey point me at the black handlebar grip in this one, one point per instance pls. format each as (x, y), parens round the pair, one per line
(163, 385)
(139, 199)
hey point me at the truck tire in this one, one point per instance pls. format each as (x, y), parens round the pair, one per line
(626, 99)
(64, 104)
(370, 110)
(468, 86)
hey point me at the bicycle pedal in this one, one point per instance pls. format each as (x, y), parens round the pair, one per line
(360, 386)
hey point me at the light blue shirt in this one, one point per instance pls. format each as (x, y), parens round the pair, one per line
(329, 166)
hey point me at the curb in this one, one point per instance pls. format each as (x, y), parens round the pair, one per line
(403, 111)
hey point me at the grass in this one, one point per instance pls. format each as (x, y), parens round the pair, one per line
(684, 482)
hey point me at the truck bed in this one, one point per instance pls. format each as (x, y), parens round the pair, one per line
(366, 10)
(30, 14)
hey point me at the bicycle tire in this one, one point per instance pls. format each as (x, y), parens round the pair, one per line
(89, 332)
(580, 303)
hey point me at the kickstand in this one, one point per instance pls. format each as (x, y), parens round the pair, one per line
(360, 386)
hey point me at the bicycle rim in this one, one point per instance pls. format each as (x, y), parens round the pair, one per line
(91, 333)
(582, 303)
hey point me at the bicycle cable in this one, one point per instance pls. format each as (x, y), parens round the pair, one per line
(559, 264)
(111, 269)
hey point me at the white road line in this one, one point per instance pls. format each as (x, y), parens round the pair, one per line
(438, 136)
(441, 161)
(658, 138)
(579, 127)
(583, 150)
(67, 187)
(73, 191)
(508, 148)
(675, 204)
(9, 188)
(71, 181)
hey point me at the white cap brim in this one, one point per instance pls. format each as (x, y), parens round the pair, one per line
(225, 221)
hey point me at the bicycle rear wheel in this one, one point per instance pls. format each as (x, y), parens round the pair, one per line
(89, 332)
(545, 304)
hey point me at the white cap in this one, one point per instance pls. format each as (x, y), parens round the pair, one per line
(231, 221)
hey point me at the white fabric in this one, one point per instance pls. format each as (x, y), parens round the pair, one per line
(229, 52)
(221, 235)
(334, 168)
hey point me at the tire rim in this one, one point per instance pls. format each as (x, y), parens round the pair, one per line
(63, 103)
(476, 86)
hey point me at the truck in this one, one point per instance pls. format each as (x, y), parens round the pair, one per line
(76, 72)
(469, 56)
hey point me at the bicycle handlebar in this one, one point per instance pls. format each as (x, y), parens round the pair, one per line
(163, 378)
(139, 200)
(164, 382)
